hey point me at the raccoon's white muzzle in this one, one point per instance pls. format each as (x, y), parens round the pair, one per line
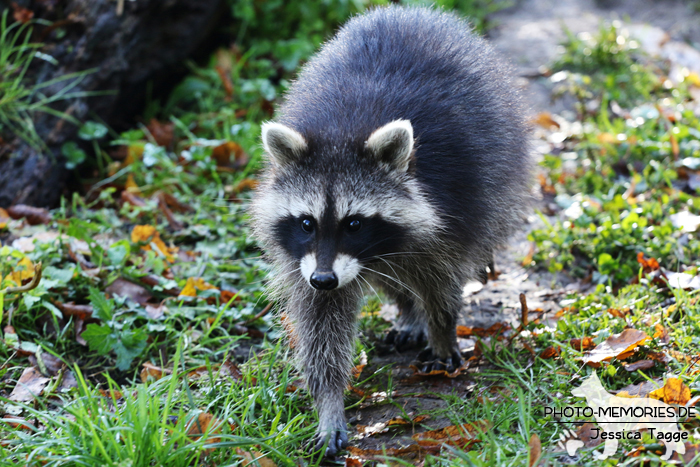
(345, 269)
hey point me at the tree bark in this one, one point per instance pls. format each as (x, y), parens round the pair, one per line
(142, 43)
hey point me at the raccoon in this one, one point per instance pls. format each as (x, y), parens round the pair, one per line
(399, 159)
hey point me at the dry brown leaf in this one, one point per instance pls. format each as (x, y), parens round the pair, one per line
(204, 423)
(350, 462)
(225, 369)
(585, 343)
(589, 434)
(71, 309)
(30, 385)
(648, 265)
(381, 454)
(33, 216)
(125, 288)
(18, 423)
(496, 328)
(250, 458)
(619, 313)
(21, 14)
(462, 436)
(111, 394)
(545, 120)
(535, 446)
(163, 133)
(616, 345)
(661, 333)
(151, 371)
(642, 389)
(550, 352)
(639, 365)
(223, 152)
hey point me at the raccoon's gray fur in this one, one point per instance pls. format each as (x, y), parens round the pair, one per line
(398, 159)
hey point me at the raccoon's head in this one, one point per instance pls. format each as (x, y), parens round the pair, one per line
(330, 208)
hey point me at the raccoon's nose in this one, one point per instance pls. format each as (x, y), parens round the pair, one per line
(324, 280)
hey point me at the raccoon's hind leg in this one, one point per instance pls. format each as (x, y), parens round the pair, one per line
(443, 303)
(410, 329)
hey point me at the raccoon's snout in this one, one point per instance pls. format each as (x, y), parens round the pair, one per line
(324, 280)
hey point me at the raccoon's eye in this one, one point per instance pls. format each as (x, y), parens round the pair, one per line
(307, 225)
(354, 225)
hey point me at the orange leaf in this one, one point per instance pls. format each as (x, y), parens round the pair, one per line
(193, 285)
(550, 352)
(585, 343)
(462, 436)
(149, 235)
(535, 446)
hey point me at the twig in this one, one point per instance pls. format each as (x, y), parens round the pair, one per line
(524, 311)
(27, 287)
(256, 317)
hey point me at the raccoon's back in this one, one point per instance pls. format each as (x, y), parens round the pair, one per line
(425, 66)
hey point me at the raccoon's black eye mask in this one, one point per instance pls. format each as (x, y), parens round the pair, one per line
(359, 236)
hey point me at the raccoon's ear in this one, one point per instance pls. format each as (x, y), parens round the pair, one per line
(284, 145)
(392, 144)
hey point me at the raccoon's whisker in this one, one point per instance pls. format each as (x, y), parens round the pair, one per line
(403, 285)
(370, 286)
(377, 243)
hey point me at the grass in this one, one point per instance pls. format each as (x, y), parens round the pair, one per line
(218, 387)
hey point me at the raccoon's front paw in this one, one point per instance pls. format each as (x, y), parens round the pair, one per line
(405, 339)
(337, 441)
(428, 361)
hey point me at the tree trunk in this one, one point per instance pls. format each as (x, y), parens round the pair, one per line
(129, 44)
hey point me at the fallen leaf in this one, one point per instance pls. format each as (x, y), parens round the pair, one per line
(642, 389)
(71, 309)
(203, 423)
(18, 423)
(223, 152)
(350, 462)
(163, 133)
(648, 265)
(149, 235)
(111, 394)
(545, 120)
(585, 343)
(30, 385)
(661, 333)
(381, 454)
(193, 285)
(125, 288)
(639, 365)
(619, 313)
(21, 14)
(673, 392)
(589, 434)
(245, 185)
(550, 352)
(254, 458)
(462, 436)
(615, 345)
(496, 328)
(535, 446)
(151, 371)
(34, 216)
